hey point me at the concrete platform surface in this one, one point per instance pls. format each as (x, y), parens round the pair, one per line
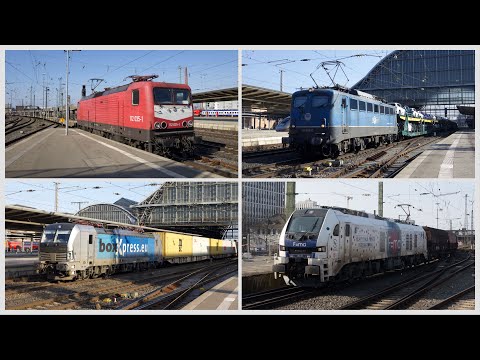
(223, 296)
(49, 153)
(227, 124)
(450, 158)
(255, 137)
(257, 265)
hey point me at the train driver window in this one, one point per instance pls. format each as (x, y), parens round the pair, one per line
(369, 107)
(320, 101)
(376, 108)
(336, 230)
(90, 239)
(347, 230)
(135, 97)
(361, 105)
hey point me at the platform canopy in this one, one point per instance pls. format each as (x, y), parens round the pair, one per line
(256, 98)
(230, 94)
(18, 217)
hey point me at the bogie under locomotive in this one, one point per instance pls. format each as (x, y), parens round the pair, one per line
(154, 116)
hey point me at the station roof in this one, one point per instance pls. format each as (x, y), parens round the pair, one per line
(230, 94)
(24, 218)
(466, 110)
(268, 100)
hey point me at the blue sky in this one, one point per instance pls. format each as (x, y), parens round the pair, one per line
(43, 194)
(262, 67)
(364, 195)
(208, 70)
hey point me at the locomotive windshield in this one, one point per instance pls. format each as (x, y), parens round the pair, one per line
(320, 101)
(58, 233)
(165, 96)
(307, 224)
(56, 236)
(299, 101)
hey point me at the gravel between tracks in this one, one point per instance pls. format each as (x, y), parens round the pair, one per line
(452, 286)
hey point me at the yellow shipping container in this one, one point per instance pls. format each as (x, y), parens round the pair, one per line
(216, 247)
(176, 245)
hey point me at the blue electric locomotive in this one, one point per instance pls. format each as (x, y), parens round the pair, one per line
(337, 120)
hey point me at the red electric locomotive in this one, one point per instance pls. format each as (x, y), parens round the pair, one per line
(154, 116)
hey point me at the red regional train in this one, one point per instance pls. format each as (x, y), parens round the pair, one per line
(154, 116)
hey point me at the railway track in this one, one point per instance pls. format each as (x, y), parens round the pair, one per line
(275, 297)
(386, 161)
(86, 293)
(18, 129)
(462, 300)
(400, 295)
(169, 296)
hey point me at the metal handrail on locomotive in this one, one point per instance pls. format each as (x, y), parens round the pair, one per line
(154, 116)
(70, 251)
(331, 244)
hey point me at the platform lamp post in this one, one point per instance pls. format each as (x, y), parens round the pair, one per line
(66, 90)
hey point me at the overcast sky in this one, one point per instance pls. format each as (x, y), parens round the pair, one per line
(423, 208)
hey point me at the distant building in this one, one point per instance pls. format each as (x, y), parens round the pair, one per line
(210, 207)
(119, 211)
(306, 204)
(262, 200)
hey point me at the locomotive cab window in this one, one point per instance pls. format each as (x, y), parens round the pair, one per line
(90, 239)
(336, 230)
(181, 97)
(353, 104)
(299, 101)
(382, 109)
(162, 96)
(135, 97)
(369, 107)
(361, 105)
(319, 101)
(376, 108)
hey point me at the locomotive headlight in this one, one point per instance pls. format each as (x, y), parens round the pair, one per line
(184, 124)
(190, 123)
(282, 247)
(293, 126)
(164, 125)
(69, 255)
(321, 249)
(157, 125)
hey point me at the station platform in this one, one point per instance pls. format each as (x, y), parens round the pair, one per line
(257, 274)
(256, 265)
(449, 158)
(49, 153)
(255, 137)
(223, 296)
(214, 123)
